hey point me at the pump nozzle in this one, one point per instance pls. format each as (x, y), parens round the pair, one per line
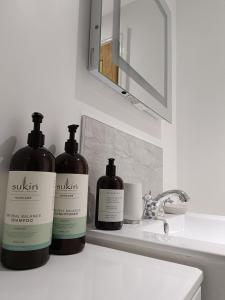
(36, 138)
(71, 145)
(111, 168)
(72, 131)
(37, 119)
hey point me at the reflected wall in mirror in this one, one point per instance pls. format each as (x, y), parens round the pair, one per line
(130, 50)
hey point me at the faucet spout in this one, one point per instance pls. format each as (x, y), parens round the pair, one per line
(183, 197)
(166, 227)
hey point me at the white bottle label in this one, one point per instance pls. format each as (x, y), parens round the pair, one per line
(29, 210)
(111, 204)
(70, 212)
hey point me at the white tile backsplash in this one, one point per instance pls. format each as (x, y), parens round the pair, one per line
(136, 160)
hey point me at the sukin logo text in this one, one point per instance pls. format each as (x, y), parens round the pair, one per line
(25, 186)
(67, 186)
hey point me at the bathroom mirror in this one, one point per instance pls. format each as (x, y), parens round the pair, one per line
(130, 50)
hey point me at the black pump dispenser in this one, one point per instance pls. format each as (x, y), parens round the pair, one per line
(110, 196)
(111, 168)
(71, 145)
(72, 178)
(32, 168)
(36, 138)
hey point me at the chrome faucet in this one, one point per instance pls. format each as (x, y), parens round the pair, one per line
(154, 208)
(183, 197)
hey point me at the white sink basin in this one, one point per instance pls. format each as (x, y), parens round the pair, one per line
(191, 226)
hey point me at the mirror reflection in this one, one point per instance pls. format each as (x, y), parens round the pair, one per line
(131, 45)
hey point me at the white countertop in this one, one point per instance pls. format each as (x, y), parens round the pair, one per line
(100, 273)
(188, 232)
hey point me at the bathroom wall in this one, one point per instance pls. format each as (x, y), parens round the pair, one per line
(201, 102)
(43, 67)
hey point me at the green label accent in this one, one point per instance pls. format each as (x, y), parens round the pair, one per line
(27, 237)
(69, 228)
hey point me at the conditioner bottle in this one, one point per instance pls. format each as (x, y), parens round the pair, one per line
(70, 212)
(29, 204)
(109, 200)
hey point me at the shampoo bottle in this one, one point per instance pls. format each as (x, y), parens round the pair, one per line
(109, 200)
(29, 204)
(70, 212)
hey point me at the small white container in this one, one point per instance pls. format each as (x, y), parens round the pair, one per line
(133, 203)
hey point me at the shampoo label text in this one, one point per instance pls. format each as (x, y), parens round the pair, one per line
(29, 210)
(70, 210)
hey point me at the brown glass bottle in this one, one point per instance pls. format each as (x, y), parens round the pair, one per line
(110, 192)
(36, 158)
(67, 238)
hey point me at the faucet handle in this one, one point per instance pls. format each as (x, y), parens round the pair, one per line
(147, 212)
(148, 196)
(152, 208)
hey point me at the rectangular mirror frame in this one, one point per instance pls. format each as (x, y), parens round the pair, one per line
(157, 105)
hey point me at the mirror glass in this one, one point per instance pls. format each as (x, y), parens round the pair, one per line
(134, 50)
(141, 41)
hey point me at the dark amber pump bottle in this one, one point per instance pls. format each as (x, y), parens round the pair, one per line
(29, 205)
(70, 212)
(109, 200)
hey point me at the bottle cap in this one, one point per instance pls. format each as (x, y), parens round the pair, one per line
(71, 145)
(111, 168)
(36, 138)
